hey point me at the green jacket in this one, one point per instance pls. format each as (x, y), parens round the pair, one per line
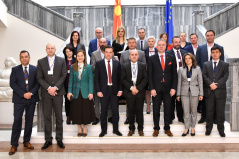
(85, 84)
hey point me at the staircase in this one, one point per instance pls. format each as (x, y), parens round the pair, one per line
(177, 128)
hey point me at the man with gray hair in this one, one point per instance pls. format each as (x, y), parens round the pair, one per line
(94, 44)
(97, 56)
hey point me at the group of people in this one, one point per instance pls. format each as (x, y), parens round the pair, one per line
(182, 76)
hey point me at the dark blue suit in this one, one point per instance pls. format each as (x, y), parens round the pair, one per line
(109, 92)
(202, 54)
(93, 46)
(189, 49)
(17, 83)
(146, 51)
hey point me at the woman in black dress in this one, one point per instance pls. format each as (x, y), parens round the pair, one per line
(69, 58)
(120, 44)
(80, 88)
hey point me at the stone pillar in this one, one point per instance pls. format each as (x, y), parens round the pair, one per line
(233, 93)
(198, 21)
(78, 22)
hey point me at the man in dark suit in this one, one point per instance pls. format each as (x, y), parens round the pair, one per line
(97, 56)
(203, 55)
(178, 53)
(151, 50)
(142, 41)
(215, 75)
(51, 74)
(194, 45)
(94, 43)
(162, 72)
(109, 89)
(134, 79)
(25, 95)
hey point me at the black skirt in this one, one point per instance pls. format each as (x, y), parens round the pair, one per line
(82, 111)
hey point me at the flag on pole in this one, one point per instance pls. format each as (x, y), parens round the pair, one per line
(169, 20)
(117, 17)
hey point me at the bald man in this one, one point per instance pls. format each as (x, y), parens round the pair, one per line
(51, 74)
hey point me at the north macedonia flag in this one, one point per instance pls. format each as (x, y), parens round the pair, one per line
(117, 17)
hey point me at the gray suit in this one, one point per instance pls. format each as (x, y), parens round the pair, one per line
(125, 57)
(48, 101)
(189, 92)
(145, 44)
(96, 56)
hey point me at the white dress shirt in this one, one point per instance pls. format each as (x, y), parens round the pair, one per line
(177, 59)
(106, 65)
(209, 51)
(51, 61)
(134, 72)
(23, 67)
(217, 62)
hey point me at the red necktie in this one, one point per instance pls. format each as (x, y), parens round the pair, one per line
(179, 57)
(162, 64)
(109, 73)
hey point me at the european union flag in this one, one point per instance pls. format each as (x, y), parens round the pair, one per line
(169, 20)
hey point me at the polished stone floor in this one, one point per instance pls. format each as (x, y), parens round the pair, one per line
(123, 155)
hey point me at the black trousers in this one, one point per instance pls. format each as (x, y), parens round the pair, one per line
(67, 106)
(107, 98)
(49, 104)
(179, 108)
(135, 107)
(166, 98)
(17, 124)
(212, 103)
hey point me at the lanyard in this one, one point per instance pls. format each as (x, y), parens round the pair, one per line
(134, 71)
(52, 63)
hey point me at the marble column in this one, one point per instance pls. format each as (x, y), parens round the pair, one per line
(198, 20)
(78, 22)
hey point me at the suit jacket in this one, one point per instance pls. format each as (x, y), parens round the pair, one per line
(156, 73)
(126, 79)
(202, 54)
(85, 84)
(146, 51)
(125, 57)
(96, 56)
(189, 48)
(17, 83)
(57, 79)
(219, 77)
(93, 46)
(138, 46)
(101, 78)
(195, 84)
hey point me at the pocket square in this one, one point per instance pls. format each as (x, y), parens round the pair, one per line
(170, 63)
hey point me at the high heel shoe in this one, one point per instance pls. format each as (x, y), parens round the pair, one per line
(68, 122)
(186, 133)
(193, 134)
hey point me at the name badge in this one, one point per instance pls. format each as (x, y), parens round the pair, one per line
(189, 79)
(26, 81)
(50, 72)
(68, 71)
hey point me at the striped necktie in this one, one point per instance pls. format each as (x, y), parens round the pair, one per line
(26, 75)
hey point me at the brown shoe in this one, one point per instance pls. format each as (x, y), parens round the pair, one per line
(156, 133)
(13, 150)
(141, 133)
(169, 133)
(28, 145)
(131, 132)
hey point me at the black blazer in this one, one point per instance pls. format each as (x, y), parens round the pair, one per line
(17, 83)
(156, 74)
(57, 79)
(146, 51)
(219, 77)
(117, 47)
(101, 78)
(187, 44)
(126, 79)
(171, 52)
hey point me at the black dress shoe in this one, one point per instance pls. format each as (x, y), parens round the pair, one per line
(68, 122)
(202, 120)
(96, 121)
(46, 145)
(215, 122)
(186, 133)
(110, 120)
(126, 121)
(222, 134)
(102, 134)
(208, 133)
(117, 132)
(60, 144)
(181, 120)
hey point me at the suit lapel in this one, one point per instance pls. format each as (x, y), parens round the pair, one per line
(47, 62)
(21, 72)
(211, 68)
(55, 63)
(159, 62)
(139, 71)
(98, 55)
(206, 52)
(219, 66)
(166, 62)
